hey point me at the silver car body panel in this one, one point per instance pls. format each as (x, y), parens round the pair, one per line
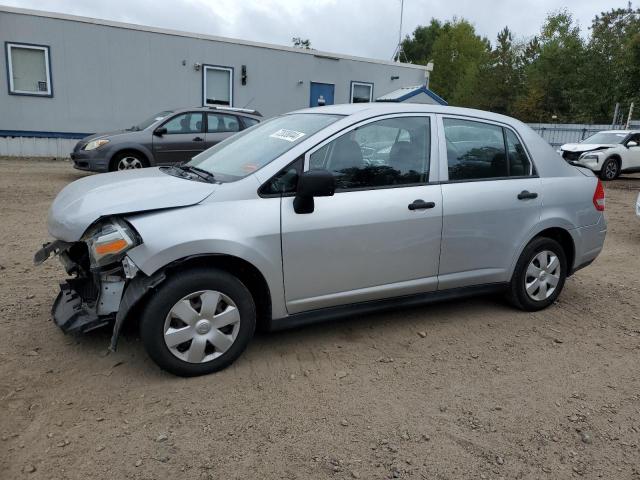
(357, 245)
(84, 201)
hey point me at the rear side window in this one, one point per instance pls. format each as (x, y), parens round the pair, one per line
(477, 150)
(249, 122)
(218, 123)
(385, 153)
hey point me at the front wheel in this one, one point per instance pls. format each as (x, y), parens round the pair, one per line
(199, 321)
(539, 275)
(127, 161)
(610, 169)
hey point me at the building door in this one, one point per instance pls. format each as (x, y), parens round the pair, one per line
(321, 94)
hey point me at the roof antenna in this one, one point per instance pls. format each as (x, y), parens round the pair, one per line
(399, 52)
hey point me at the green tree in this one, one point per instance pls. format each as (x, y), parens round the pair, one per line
(418, 47)
(554, 68)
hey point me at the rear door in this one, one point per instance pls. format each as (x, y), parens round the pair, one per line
(184, 138)
(491, 201)
(220, 126)
(379, 235)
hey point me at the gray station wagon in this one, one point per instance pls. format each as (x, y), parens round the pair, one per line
(321, 213)
(171, 136)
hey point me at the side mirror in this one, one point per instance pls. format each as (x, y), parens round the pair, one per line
(158, 132)
(314, 183)
(632, 143)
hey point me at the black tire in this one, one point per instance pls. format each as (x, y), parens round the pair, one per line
(610, 169)
(174, 289)
(517, 293)
(135, 159)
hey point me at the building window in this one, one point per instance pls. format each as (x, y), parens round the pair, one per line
(29, 69)
(361, 92)
(217, 86)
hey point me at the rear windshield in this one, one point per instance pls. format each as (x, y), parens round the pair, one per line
(244, 153)
(606, 138)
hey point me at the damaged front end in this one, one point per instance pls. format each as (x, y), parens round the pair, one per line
(104, 285)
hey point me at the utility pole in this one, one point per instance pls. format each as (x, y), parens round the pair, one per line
(616, 112)
(397, 54)
(626, 126)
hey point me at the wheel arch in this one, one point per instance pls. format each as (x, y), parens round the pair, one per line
(245, 271)
(131, 149)
(561, 235)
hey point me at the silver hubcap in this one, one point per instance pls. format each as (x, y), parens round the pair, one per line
(127, 163)
(201, 326)
(611, 169)
(543, 275)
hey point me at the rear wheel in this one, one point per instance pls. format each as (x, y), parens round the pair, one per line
(127, 161)
(539, 275)
(610, 169)
(197, 322)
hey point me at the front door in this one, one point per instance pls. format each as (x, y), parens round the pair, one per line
(321, 94)
(183, 140)
(379, 235)
(632, 155)
(491, 203)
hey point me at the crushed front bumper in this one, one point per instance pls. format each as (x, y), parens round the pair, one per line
(72, 314)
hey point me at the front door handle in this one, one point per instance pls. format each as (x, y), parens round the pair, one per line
(198, 139)
(527, 195)
(421, 205)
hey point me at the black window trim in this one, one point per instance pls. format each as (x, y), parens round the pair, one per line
(504, 126)
(203, 127)
(34, 46)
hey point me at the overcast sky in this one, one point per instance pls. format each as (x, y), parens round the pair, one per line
(366, 28)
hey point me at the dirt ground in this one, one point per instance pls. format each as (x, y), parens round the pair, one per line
(488, 393)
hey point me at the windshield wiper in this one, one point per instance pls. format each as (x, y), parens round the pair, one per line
(204, 174)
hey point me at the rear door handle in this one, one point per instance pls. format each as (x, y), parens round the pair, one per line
(527, 195)
(421, 205)
(198, 139)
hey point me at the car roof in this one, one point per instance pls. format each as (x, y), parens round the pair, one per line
(382, 108)
(222, 109)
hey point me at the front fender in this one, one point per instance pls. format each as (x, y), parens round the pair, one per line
(245, 229)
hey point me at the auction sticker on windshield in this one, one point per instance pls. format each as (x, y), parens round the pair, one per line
(288, 135)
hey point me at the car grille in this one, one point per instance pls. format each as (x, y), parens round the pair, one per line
(571, 156)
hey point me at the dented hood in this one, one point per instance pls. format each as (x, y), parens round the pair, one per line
(84, 201)
(585, 147)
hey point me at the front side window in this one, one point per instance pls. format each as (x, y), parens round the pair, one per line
(29, 70)
(248, 151)
(389, 152)
(361, 92)
(217, 86)
(185, 123)
(219, 123)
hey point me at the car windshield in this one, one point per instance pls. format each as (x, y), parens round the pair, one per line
(606, 138)
(248, 151)
(151, 120)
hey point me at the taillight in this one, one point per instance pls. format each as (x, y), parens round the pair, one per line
(598, 197)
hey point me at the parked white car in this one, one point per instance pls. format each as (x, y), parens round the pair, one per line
(638, 206)
(608, 153)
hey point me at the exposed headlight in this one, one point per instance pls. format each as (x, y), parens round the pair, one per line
(93, 144)
(590, 156)
(108, 241)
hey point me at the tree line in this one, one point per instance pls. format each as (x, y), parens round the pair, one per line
(558, 75)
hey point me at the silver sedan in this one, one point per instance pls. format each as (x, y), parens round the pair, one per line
(319, 214)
